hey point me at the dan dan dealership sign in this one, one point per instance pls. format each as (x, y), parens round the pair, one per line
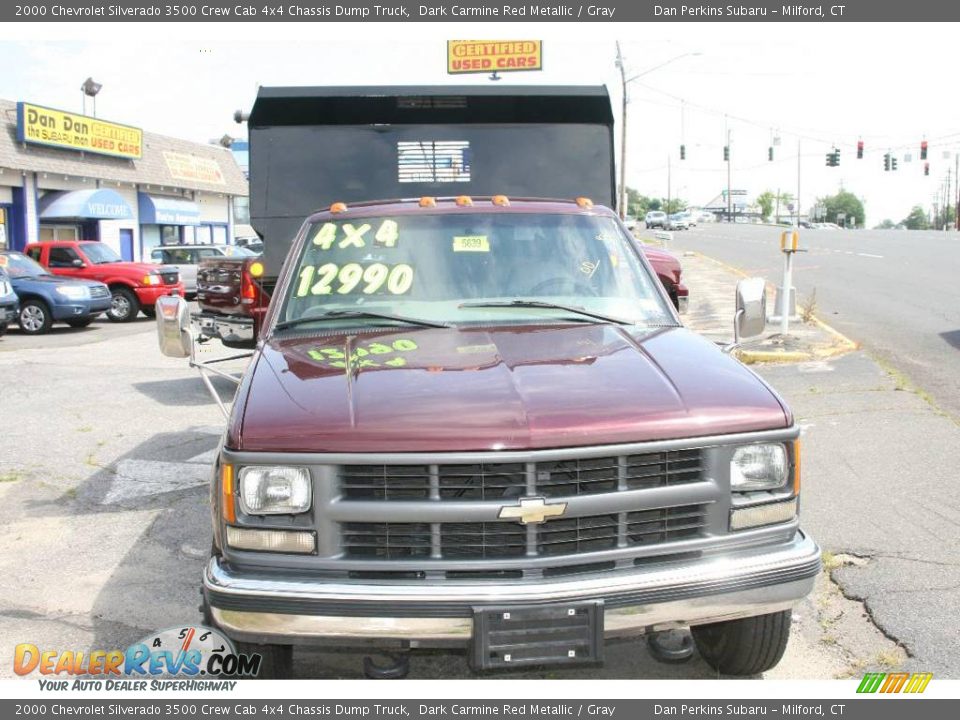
(44, 126)
(483, 56)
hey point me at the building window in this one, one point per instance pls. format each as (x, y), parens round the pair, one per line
(241, 210)
(169, 234)
(59, 232)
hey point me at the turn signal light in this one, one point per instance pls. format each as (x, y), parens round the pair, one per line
(428, 202)
(585, 203)
(227, 507)
(464, 201)
(501, 200)
(256, 269)
(338, 207)
(796, 466)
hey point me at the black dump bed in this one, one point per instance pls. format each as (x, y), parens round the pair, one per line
(310, 147)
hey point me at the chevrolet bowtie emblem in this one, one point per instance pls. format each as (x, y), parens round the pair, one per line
(532, 511)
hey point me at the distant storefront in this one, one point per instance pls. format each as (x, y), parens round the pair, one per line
(65, 176)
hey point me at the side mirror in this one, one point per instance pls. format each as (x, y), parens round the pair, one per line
(751, 317)
(78, 263)
(173, 327)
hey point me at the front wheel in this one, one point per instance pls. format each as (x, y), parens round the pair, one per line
(35, 317)
(748, 646)
(124, 305)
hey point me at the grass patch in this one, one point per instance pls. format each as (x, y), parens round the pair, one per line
(12, 476)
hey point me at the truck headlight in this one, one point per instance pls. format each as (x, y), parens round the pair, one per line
(274, 490)
(762, 466)
(74, 292)
(152, 279)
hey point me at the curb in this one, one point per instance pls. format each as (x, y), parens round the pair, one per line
(749, 357)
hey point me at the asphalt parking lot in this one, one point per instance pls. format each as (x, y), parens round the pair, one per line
(104, 466)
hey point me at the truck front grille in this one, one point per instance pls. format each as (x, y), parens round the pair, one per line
(496, 481)
(510, 539)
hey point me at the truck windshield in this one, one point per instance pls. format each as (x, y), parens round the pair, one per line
(465, 267)
(100, 254)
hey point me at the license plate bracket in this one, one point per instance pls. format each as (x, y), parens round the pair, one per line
(524, 635)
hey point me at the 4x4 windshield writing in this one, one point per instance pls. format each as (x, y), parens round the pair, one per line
(428, 266)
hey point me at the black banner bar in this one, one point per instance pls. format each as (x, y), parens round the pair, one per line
(477, 10)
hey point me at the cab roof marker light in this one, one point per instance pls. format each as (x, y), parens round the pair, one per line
(426, 202)
(256, 268)
(501, 200)
(338, 207)
(464, 201)
(584, 202)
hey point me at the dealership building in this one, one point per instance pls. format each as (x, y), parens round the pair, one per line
(66, 176)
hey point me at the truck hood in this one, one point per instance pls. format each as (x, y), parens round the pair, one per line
(508, 388)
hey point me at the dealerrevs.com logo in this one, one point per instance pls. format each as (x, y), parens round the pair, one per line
(185, 654)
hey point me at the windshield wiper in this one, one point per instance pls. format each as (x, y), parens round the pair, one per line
(347, 314)
(575, 309)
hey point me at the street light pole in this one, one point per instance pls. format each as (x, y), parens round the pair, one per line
(624, 81)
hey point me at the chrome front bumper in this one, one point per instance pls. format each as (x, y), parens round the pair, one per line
(262, 607)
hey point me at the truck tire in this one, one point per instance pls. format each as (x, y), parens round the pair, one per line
(748, 646)
(35, 317)
(125, 305)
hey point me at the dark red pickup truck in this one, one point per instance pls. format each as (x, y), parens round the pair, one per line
(479, 423)
(134, 286)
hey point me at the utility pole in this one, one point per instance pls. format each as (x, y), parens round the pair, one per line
(729, 193)
(797, 206)
(669, 171)
(623, 135)
(956, 205)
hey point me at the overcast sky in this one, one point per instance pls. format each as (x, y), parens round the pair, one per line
(815, 83)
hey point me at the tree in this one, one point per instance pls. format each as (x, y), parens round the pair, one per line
(917, 219)
(887, 224)
(639, 205)
(846, 203)
(766, 200)
(674, 206)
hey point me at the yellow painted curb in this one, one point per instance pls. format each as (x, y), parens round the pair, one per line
(845, 343)
(749, 357)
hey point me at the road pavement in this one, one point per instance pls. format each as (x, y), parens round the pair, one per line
(105, 458)
(897, 292)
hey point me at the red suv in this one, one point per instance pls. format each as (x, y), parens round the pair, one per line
(134, 286)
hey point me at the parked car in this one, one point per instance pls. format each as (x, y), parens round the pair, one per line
(655, 219)
(134, 286)
(630, 223)
(9, 304)
(678, 221)
(669, 272)
(46, 298)
(186, 258)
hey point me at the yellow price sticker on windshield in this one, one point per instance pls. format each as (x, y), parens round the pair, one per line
(345, 279)
(471, 243)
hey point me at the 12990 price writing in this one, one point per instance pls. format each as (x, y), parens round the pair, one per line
(331, 278)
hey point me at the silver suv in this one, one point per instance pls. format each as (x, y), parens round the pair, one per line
(655, 219)
(187, 257)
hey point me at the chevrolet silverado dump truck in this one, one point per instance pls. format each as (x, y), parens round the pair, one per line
(476, 421)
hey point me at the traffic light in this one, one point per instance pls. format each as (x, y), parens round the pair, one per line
(859, 149)
(833, 158)
(926, 168)
(683, 152)
(829, 159)
(893, 163)
(770, 153)
(726, 153)
(923, 150)
(886, 162)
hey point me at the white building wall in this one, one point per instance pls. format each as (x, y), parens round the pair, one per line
(110, 229)
(213, 207)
